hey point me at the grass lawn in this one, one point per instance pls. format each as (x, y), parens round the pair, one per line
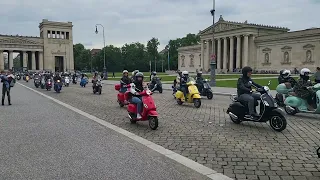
(219, 76)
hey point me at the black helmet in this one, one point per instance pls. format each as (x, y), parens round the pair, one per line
(199, 73)
(245, 70)
(139, 74)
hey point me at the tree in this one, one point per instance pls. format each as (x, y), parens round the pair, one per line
(81, 57)
(152, 49)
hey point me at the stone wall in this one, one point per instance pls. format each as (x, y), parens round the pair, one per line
(289, 50)
(190, 58)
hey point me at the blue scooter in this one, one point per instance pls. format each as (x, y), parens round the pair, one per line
(58, 86)
(84, 82)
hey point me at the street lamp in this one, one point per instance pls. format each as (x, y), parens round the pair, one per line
(105, 73)
(168, 49)
(213, 63)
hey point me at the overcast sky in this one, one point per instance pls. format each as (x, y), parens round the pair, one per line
(128, 21)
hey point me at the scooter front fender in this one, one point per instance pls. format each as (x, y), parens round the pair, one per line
(152, 113)
(278, 110)
(196, 96)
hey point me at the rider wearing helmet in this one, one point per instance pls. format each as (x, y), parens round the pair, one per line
(302, 89)
(199, 81)
(183, 83)
(244, 91)
(153, 77)
(125, 80)
(134, 90)
(285, 77)
(133, 75)
(95, 79)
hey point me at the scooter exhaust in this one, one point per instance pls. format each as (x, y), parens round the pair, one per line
(233, 115)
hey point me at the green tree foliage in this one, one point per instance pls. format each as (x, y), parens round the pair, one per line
(131, 56)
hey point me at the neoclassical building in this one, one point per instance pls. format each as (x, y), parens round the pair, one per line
(53, 50)
(262, 47)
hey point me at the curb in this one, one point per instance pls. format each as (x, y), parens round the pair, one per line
(214, 93)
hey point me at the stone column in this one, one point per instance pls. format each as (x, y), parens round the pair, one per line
(202, 54)
(219, 60)
(40, 60)
(25, 59)
(246, 50)
(208, 54)
(33, 61)
(225, 61)
(10, 57)
(238, 60)
(231, 53)
(1, 61)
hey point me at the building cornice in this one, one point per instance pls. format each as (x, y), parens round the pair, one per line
(55, 24)
(289, 35)
(194, 47)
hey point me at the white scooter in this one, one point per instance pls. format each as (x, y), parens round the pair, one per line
(66, 81)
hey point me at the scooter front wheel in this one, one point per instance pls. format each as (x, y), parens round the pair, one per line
(290, 110)
(277, 122)
(197, 103)
(153, 122)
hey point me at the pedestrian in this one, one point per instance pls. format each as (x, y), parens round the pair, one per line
(113, 76)
(317, 75)
(5, 87)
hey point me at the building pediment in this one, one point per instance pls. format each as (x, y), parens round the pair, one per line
(223, 25)
(286, 48)
(266, 50)
(308, 46)
(17, 40)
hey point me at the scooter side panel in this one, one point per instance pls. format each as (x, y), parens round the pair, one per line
(296, 102)
(282, 89)
(132, 108)
(179, 95)
(318, 102)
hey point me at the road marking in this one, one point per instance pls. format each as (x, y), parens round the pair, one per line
(210, 173)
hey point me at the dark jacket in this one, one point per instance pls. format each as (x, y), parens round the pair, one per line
(290, 80)
(244, 87)
(56, 78)
(301, 89)
(125, 80)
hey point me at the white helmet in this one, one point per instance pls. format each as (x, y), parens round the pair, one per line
(185, 73)
(124, 71)
(286, 73)
(305, 72)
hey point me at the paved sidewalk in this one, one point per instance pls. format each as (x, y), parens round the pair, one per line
(42, 139)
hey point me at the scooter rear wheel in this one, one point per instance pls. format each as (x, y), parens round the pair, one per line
(210, 95)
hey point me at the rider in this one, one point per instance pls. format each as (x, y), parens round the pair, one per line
(199, 81)
(57, 77)
(138, 87)
(95, 79)
(134, 75)
(183, 83)
(302, 88)
(244, 91)
(5, 87)
(285, 77)
(153, 78)
(125, 80)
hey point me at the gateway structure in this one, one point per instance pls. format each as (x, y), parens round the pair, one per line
(53, 50)
(262, 47)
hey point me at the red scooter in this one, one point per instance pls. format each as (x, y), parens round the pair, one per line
(149, 112)
(122, 97)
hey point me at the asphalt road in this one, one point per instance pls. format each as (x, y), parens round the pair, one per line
(43, 140)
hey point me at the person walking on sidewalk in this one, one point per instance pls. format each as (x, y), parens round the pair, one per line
(113, 76)
(5, 88)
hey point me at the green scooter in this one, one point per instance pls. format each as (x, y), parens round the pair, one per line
(294, 104)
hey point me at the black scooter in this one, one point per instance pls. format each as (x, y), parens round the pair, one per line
(206, 90)
(18, 77)
(269, 110)
(36, 82)
(74, 79)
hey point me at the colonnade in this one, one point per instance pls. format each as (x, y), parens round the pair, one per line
(36, 58)
(231, 52)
